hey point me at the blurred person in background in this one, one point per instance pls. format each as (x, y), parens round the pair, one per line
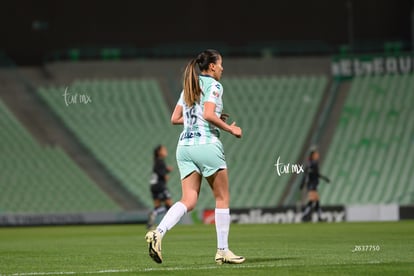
(311, 181)
(158, 185)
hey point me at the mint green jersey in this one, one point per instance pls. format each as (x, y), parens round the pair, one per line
(197, 130)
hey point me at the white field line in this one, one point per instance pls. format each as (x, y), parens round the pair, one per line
(149, 269)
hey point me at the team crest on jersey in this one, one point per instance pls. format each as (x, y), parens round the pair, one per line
(216, 94)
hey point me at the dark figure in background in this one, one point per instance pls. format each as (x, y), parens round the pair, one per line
(160, 193)
(311, 180)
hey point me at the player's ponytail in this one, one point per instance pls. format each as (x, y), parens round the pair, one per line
(191, 84)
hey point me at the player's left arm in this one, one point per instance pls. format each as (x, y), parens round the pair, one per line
(210, 115)
(315, 169)
(327, 180)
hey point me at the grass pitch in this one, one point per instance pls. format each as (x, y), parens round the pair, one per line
(291, 249)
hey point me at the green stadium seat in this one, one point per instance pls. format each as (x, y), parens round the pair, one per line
(129, 117)
(38, 179)
(369, 151)
(276, 117)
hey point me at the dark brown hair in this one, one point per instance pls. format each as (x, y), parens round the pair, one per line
(191, 85)
(157, 152)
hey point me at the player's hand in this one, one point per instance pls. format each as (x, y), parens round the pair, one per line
(235, 130)
(224, 117)
(170, 169)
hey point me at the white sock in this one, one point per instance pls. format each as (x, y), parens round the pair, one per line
(172, 217)
(222, 217)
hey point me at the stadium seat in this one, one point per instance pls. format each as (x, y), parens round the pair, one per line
(372, 146)
(39, 179)
(128, 118)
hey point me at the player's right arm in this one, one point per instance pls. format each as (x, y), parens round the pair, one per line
(177, 115)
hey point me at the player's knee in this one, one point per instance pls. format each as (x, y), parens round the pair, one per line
(222, 198)
(190, 207)
(222, 202)
(189, 203)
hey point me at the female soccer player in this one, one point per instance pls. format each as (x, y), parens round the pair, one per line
(158, 182)
(200, 152)
(311, 180)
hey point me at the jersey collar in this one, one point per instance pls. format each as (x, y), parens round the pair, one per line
(207, 76)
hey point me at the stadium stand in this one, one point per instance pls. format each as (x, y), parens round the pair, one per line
(38, 179)
(124, 122)
(371, 155)
(128, 117)
(368, 159)
(276, 114)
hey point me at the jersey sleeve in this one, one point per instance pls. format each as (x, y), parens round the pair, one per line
(181, 99)
(214, 92)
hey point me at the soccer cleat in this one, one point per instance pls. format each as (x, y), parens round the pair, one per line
(306, 218)
(228, 257)
(153, 239)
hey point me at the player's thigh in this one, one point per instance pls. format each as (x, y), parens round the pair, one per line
(219, 183)
(190, 190)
